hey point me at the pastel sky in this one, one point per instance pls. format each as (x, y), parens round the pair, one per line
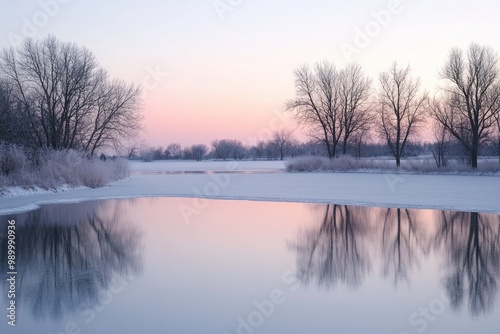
(230, 62)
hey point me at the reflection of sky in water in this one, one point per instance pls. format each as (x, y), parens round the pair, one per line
(137, 266)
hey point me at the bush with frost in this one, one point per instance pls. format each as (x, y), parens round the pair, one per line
(350, 164)
(13, 159)
(50, 169)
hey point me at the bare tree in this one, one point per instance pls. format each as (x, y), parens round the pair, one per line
(272, 150)
(471, 99)
(198, 151)
(335, 250)
(441, 146)
(401, 108)
(174, 151)
(333, 102)
(283, 140)
(114, 118)
(92, 245)
(360, 138)
(355, 92)
(228, 148)
(317, 103)
(472, 266)
(259, 149)
(402, 241)
(68, 98)
(239, 150)
(12, 119)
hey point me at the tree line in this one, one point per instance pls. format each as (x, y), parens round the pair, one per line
(55, 95)
(279, 149)
(344, 106)
(280, 145)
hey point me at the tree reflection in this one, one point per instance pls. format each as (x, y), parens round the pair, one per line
(334, 251)
(68, 254)
(472, 244)
(402, 241)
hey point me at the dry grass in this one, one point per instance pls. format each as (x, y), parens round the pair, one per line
(50, 169)
(422, 166)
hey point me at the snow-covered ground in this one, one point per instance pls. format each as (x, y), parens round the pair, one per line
(452, 192)
(138, 167)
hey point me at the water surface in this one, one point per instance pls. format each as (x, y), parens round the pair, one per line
(169, 265)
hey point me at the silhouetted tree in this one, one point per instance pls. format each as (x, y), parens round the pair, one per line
(317, 103)
(227, 148)
(174, 151)
(335, 251)
(401, 243)
(68, 99)
(472, 242)
(69, 254)
(13, 129)
(401, 108)
(283, 140)
(441, 146)
(355, 90)
(471, 100)
(198, 151)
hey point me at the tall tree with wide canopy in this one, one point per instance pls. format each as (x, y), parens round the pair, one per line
(401, 108)
(69, 100)
(470, 103)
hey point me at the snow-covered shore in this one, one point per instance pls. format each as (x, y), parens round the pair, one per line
(451, 192)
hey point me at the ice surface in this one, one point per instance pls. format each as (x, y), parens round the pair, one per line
(447, 192)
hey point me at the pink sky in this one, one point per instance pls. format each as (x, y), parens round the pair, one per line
(230, 71)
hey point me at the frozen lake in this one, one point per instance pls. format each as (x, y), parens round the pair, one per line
(187, 265)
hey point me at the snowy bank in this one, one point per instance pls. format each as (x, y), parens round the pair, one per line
(167, 166)
(450, 192)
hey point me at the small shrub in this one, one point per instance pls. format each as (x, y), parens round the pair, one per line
(93, 173)
(349, 164)
(12, 159)
(51, 169)
(308, 164)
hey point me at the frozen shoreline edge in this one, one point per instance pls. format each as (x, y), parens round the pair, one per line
(37, 201)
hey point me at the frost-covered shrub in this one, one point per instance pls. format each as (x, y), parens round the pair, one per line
(51, 169)
(94, 173)
(348, 163)
(308, 164)
(12, 159)
(120, 168)
(59, 167)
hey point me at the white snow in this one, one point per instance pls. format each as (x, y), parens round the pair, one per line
(451, 192)
(20, 191)
(137, 167)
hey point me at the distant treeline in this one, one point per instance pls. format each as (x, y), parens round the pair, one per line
(275, 149)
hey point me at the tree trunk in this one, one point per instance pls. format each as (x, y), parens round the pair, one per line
(398, 160)
(473, 157)
(344, 147)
